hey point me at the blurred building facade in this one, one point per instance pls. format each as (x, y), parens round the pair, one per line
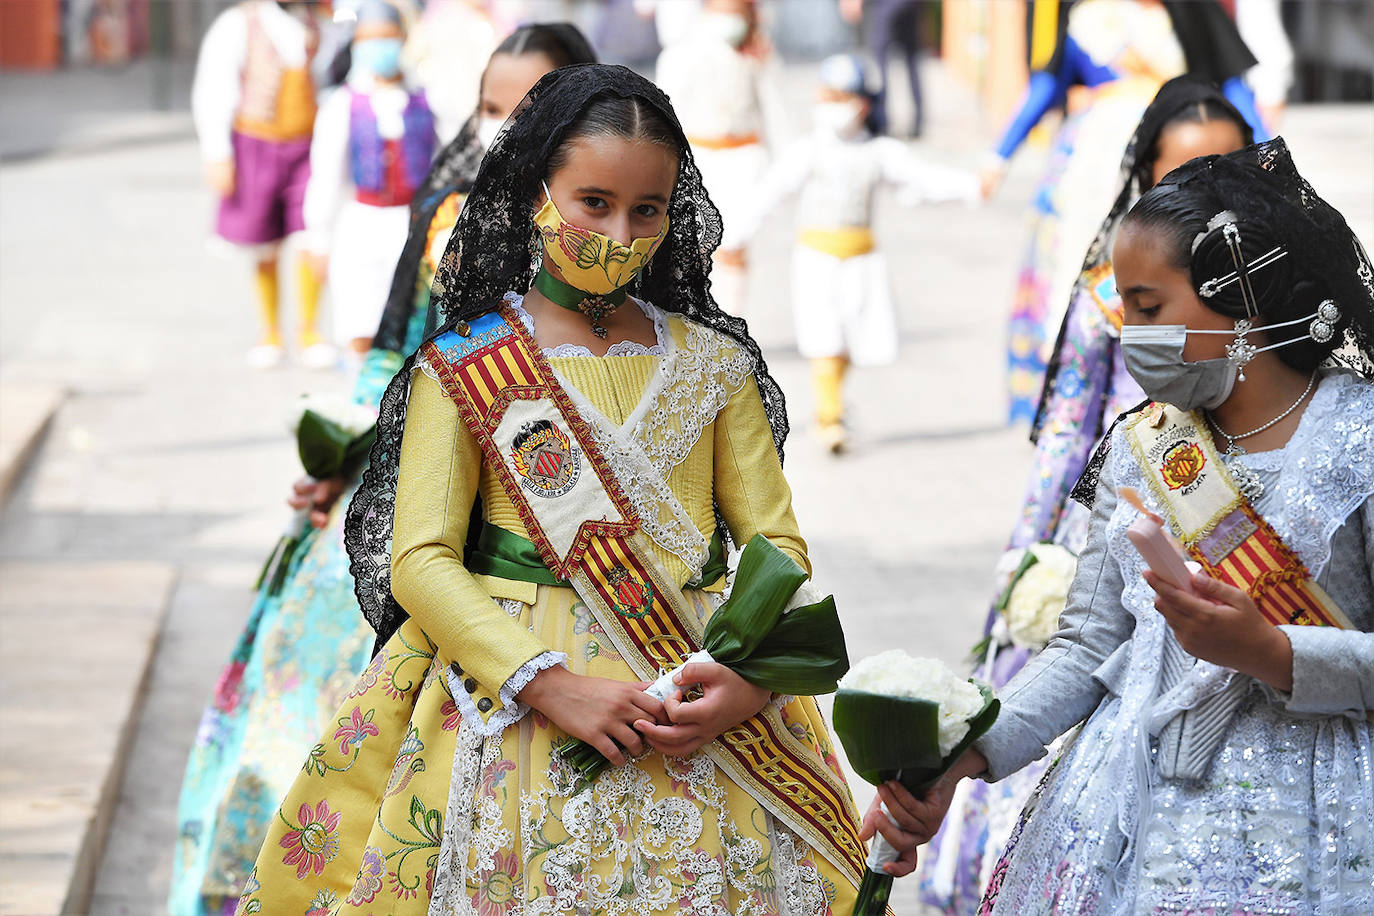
(990, 44)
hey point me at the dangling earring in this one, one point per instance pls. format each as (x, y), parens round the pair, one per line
(536, 249)
(1240, 351)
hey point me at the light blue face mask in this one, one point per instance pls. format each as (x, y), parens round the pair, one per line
(379, 56)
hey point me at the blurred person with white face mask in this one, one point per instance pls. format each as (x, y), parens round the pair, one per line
(373, 144)
(841, 293)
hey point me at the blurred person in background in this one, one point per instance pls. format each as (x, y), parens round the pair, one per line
(253, 103)
(714, 75)
(1086, 388)
(304, 645)
(1113, 55)
(841, 293)
(891, 24)
(1261, 25)
(447, 50)
(373, 144)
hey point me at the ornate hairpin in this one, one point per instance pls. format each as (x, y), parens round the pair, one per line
(1323, 327)
(1239, 351)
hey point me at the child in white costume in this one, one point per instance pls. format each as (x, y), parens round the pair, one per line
(718, 83)
(374, 139)
(841, 295)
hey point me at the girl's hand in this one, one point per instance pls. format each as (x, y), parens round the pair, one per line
(918, 819)
(727, 700)
(1221, 624)
(877, 821)
(600, 711)
(319, 495)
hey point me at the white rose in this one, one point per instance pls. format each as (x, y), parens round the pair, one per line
(894, 673)
(1039, 596)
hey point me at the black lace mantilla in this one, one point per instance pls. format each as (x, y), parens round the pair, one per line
(488, 255)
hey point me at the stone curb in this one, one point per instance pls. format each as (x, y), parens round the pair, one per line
(76, 651)
(25, 413)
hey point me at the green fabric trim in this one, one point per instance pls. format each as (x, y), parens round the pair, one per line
(509, 556)
(570, 297)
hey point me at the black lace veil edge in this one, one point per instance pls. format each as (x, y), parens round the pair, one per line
(1173, 96)
(494, 228)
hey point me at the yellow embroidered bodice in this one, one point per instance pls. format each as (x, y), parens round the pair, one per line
(441, 470)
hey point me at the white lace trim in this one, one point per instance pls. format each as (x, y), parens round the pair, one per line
(623, 348)
(512, 710)
(450, 871)
(661, 514)
(623, 819)
(699, 378)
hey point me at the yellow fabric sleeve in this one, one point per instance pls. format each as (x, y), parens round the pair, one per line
(750, 488)
(440, 464)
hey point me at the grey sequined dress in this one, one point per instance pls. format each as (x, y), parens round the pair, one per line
(1191, 788)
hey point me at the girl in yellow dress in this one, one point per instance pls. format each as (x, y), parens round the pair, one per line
(547, 534)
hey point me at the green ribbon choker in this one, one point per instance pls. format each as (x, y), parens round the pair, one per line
(573, 299)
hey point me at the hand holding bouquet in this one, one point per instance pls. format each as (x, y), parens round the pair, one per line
(333, 437)
(905, 719)
(761, 634)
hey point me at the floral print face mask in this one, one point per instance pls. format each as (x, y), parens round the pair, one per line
(589, 261)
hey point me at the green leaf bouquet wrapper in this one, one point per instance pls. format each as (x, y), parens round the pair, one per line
(800, 651)
(327, 448)
(898, 738)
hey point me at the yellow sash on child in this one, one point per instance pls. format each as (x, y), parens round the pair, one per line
(588, 533)
(842, 242)
(1216, 523)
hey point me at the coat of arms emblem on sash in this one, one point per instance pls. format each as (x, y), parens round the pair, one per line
(546, 460)
(634, 598)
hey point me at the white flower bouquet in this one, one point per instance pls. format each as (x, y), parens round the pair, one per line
(1036, 597)
(333, 438)
(907, 719)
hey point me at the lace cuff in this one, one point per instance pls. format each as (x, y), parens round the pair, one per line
(512, 710)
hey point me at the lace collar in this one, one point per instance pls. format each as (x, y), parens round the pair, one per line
(623, 348)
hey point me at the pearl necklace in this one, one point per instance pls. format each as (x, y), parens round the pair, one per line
(1251, 487)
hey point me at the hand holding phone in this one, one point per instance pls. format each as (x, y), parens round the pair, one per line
(1160, 553)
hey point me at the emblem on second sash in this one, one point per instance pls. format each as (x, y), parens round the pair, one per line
(545, 458)
(1182, 465)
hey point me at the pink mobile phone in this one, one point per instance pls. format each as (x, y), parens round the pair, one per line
(1160, 553)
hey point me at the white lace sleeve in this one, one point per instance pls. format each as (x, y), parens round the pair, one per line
(512, 710)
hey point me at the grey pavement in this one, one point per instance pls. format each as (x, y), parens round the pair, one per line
(169, 451)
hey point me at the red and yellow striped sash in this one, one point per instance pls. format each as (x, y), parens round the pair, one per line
(1218, 526)
(488, 368)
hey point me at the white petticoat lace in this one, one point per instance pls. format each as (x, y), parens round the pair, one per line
(687, 835)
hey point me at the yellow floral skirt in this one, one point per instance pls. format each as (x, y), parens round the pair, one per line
(404, 804)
